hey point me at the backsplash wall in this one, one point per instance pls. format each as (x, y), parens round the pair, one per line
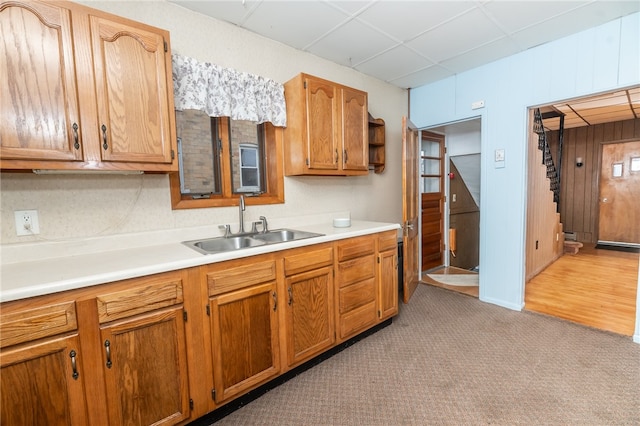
(80, 206)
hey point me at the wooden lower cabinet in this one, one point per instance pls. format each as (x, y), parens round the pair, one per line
(387, 275)
(43, 383)
(144, 353)
(146, 369)
(309, 325)
(356, 285)
(244, 326)
(148, 350)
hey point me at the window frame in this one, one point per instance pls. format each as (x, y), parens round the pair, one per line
(273, 174)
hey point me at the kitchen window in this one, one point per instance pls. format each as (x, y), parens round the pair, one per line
(221, 158)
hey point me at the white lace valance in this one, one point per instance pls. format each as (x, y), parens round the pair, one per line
(224, 92)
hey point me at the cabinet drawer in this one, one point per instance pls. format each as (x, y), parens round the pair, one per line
(305, 260)
(34, 323)
(388, 240)
(240, 274)
(144, 295)
(355, 247)
(357, 295)
(355, 270)
(358, 320)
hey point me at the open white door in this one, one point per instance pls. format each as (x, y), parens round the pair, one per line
(410, 209)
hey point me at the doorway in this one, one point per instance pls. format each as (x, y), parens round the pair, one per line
(459, 265)
(590, 126)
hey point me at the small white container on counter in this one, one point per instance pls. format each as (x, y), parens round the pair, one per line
(341, 222)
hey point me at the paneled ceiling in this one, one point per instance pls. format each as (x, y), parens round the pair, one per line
(616, 106)
(412, 43)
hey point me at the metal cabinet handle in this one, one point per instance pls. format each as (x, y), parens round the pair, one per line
(74, 366)
(290, 291)
(345, 158)
(336, 155)
(105, 145)
(76, 143)
(275, 301)
(107, 347)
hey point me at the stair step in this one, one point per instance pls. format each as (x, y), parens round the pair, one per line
(572, 247)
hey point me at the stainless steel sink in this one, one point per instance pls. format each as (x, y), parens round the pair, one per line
(226, 244)
(283, 235)
(222, 244)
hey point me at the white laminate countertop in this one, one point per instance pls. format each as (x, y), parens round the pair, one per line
(36, 269)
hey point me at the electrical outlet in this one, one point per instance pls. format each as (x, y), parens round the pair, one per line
(27, 222)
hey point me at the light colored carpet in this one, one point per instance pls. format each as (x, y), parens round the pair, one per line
(467, 280)
(449, 359)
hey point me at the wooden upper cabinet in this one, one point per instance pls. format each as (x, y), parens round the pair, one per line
(131, 88)
(84, 90)
(355, 130)
(39, 112)
(327, 128)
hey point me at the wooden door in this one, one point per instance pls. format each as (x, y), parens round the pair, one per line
(355, 130)
(145, 364)
(619, 219)
(245, 339)
(132, 92)
(322, 124)
(39, 113)
(310, 314)
(432, 200)
(43, 384)
(410, 209)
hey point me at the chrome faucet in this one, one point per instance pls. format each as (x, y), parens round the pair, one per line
(241, 215)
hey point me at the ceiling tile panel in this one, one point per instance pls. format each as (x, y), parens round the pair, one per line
(513, 16)
(579, 19)
(289, 23)
(495, 50)
(457, 36)
(385, 65)
(416, 79)
(404, 20)
(351, 44)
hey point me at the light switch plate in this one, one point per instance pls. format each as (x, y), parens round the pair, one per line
(499, 155)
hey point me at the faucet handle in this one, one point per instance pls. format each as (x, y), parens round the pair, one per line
(265, 227)
(226, 229)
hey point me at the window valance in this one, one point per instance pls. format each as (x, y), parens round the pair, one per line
(224, 92)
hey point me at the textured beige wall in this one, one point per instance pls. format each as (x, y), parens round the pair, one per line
(77, 206)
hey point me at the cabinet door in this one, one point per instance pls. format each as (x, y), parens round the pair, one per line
(39, 114)
(322, 122)
(132, 93)
(355, 130)
(146, 369)
(43, 384)
(388, 284)
(310, 323)
(245, 339)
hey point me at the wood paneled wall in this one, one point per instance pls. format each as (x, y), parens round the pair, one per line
(579, 185)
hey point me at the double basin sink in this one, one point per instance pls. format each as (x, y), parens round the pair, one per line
(238, 242)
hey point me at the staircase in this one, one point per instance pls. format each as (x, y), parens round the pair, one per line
(545, 236)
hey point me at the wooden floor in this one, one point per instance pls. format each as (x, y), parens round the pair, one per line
(594, 287)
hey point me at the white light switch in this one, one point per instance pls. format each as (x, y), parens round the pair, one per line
(499, 154)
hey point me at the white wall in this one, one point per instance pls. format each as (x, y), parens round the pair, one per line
(77, 206)
(601, 59)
